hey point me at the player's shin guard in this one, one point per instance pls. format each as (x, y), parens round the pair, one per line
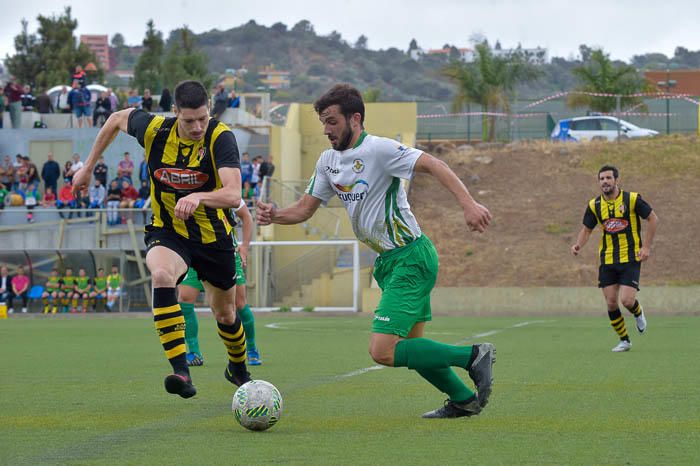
(233, 337)
(618, 324)
(248, 321)
(192, 328)
(170, 325)
(636, 309)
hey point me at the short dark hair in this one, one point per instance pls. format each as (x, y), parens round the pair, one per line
(609, 168)
(344, 95)
(190, 94)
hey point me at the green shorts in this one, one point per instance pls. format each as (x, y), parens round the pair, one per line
(406, 276)
(192, 280)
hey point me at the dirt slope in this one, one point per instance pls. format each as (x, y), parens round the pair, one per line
(537, 193)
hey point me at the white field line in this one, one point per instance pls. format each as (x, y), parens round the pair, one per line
(473, 337)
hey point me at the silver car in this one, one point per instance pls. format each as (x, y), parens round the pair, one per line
(598, 127)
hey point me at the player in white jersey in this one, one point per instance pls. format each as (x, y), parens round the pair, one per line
(365, 172)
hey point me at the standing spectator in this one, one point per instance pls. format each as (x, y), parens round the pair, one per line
(147, 101)
(255, 176)
(246, 168)
(20, 289)
(75, 166)
(101, 171)
(103, 108)
(49, 199)
(248, 194)
(97, 195)
(66, 199)
(143, 172)
(3, 104)
(134, 100)
(21, 168)
(13, 94)
(233, 100)
(31, 199)
(50, 172)
(125, 168)
(43, 103)
(113, 100)
(27, 99)
(114, 196)
(80, 76)
(79, 101)
(5, 285)
(166, 101)
(220, 102)
(62, 102)
(7, 171)
(32, 171)
(67, 175)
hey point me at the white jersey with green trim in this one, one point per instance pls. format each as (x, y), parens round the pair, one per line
(367, 179)
(234, 211)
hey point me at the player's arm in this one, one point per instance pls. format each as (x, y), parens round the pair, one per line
(247, 220)
(117, 121)
(476, 215)
(581, 239)
(298, 212)
(226, 197)
(650, 231)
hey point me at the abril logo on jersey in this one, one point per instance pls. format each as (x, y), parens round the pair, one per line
(180, 178)
(615, 225)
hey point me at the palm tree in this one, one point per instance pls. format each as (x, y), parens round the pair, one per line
(489, 81)
(600, 75)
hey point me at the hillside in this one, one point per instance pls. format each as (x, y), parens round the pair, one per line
(537, 193)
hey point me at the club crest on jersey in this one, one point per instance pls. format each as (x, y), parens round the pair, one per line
(358, 166)
(621, 209)
(615, 225)
(201, 154)
(180, 178)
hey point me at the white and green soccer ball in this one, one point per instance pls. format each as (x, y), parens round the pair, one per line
(257, 405)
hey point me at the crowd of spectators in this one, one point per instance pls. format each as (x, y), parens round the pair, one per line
(21, 185)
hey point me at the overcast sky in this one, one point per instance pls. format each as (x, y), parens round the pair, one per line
(623, 27)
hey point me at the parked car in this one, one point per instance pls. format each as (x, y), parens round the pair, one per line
(598, 127)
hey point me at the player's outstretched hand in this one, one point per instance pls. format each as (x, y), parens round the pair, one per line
(263, 213)
(186, 206)
(81, 180)
(477, 217)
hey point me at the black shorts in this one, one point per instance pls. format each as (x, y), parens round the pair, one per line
(215, 265)
(619, 274)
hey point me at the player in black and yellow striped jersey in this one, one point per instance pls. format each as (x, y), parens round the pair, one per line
(621, 249)
(195, 176)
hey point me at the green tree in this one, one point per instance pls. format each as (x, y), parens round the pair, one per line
(600, 75)
(148, 72)
(184, 61)
(371, 94)
(488, 81)
(49, 57)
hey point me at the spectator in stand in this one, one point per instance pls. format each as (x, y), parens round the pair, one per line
(75, 166)
(143, 171)
(67, 175)
(166, 101)
(83, 201)
(79, 100)
(103, 108)
(233, 100)
(66, 199)
(50, 172)
(255, 176)
(113, 100)
(21, 174)
(267, 168)
(80, 76)
(31, 199)
(3, 104)
(129, 196)
(97, 195)
(19, 170)
(28, 100)
(134, 100)
(20, 289)
(62, 103)
(32, 171)
(13, 93)
(248, 194)
(7, 171)
(100, 171)
(147, 101)
(144, 194)
(5, 285)
(246, 168)
(114, 196)
(49, 199)
(3, 195)
(125, 168)
(220, 102)
(43, 103)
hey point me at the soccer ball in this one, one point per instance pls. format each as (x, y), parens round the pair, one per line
(257, 405)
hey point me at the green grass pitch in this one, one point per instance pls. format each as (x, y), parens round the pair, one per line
(89, 391)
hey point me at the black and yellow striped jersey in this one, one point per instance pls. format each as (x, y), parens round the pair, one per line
(620, 220)
(178, 167)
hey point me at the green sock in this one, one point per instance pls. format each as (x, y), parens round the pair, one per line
(191, 327)
(248, 321)
(432, 360)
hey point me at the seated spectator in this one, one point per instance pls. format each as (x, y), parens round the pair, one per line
(114, 196)
(144, 194)
(31, 199)
(3, 195)
(5, 285)
(248, 194)
(83, 201)
(97, 195)
(134, 100)
(67, 172)
(128, 198)
(20, 289)
(49, 199)
(103, 109)
(66, 199)
(7, 171)
(233, 100)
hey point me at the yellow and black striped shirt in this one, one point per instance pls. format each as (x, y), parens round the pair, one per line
(178, 167)
(621, 224)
